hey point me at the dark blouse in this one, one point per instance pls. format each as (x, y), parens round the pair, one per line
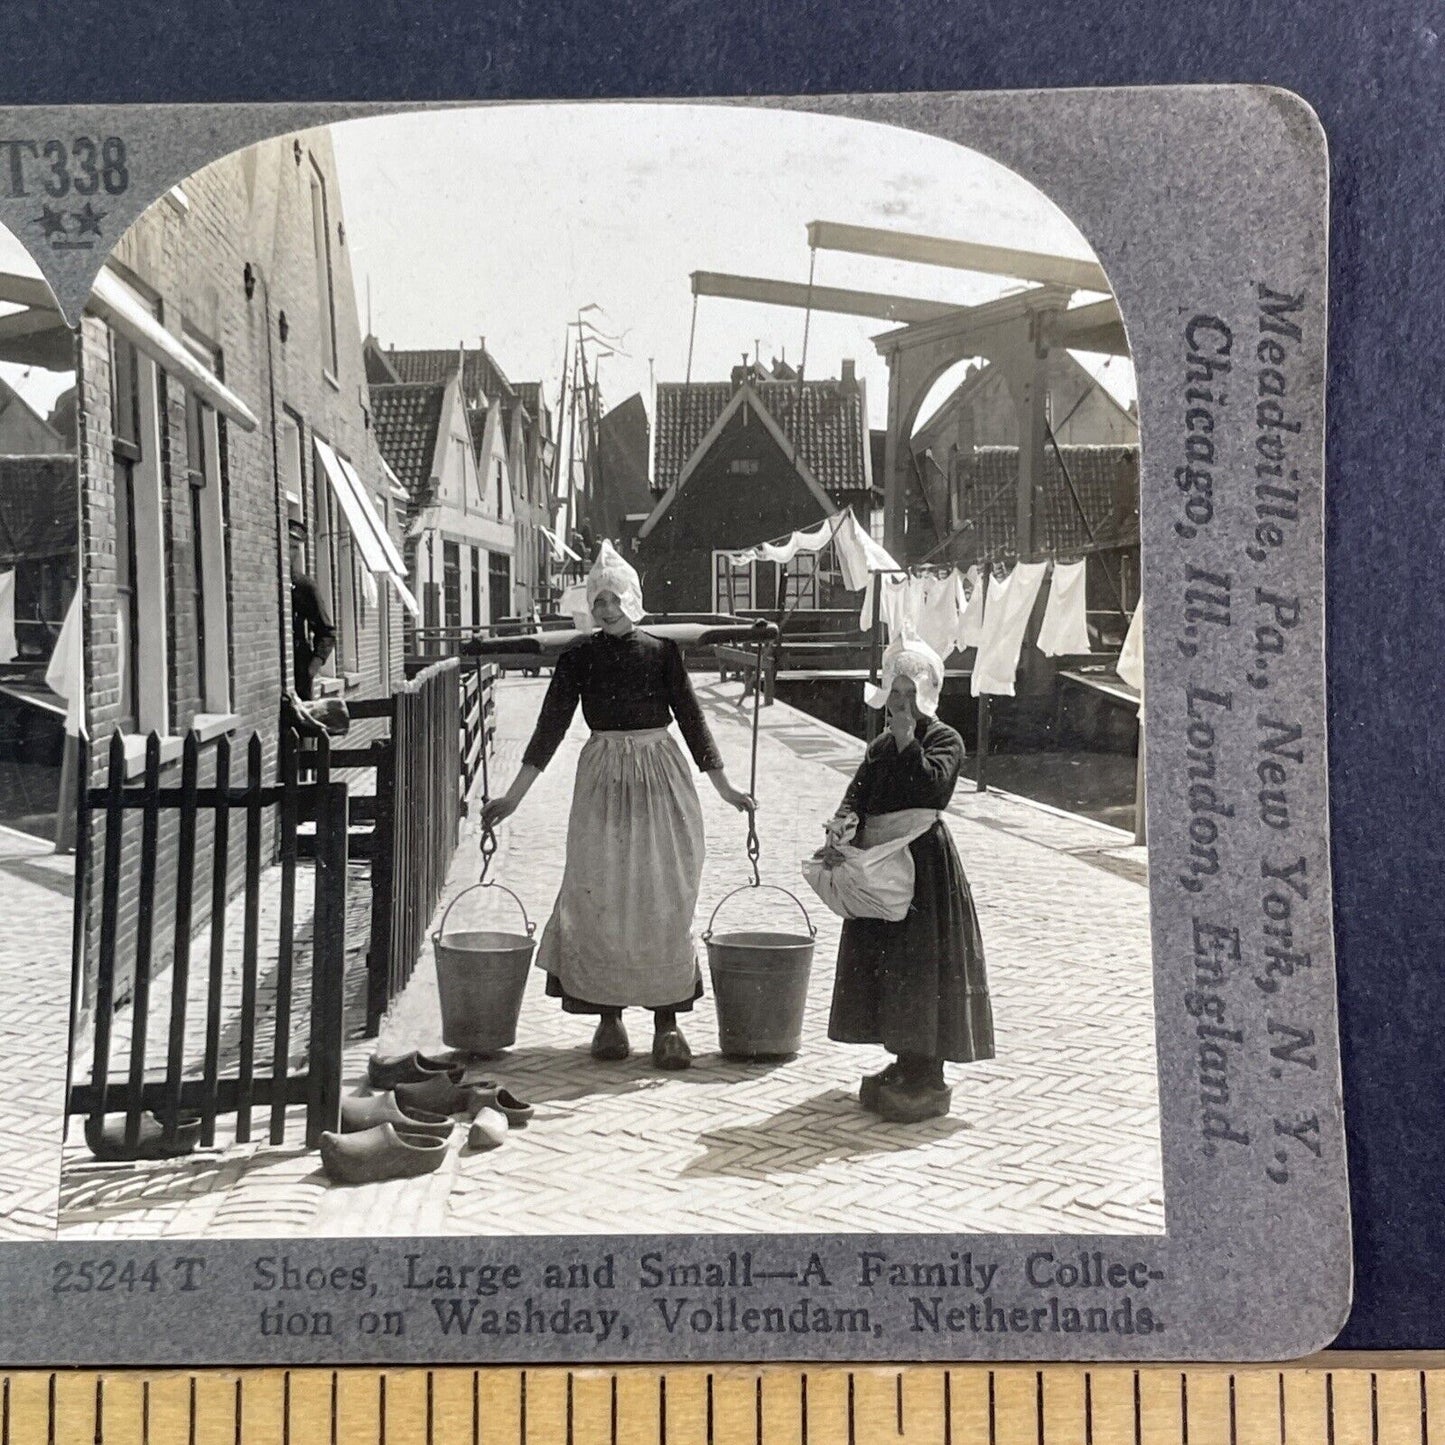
(624, 684)
(923, 775)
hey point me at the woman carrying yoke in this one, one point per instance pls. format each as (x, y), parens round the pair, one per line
(620, 935)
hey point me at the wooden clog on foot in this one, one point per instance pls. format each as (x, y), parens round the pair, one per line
(670, 1050)
(610, 1044)
(868, 1089)
(899, 1105)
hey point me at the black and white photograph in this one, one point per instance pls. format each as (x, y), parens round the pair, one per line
(677, 521)
(573, 742)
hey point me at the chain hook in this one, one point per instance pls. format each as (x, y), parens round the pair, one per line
(489, 848)
(755, 848)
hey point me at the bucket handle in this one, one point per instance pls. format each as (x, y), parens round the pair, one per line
(777, 888)
(441, 927)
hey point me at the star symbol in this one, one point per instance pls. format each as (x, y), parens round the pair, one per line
(51, 221)
(88, 221)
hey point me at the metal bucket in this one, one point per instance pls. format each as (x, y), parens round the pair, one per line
(760, 986)
(481, 977)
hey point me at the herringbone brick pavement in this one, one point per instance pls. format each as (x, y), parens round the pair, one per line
(1058, 1134)
(36, 902)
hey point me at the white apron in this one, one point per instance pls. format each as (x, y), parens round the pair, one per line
(621, 932)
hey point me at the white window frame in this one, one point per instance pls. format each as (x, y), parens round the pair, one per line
(720, 599)
(802, 564)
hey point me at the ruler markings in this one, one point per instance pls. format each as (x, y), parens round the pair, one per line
(1352, 1403)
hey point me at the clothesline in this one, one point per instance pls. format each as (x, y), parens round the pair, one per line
(990, 615)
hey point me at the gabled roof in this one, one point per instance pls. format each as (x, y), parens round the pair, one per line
(379, 370)
(481, 376)
(531, 395)
(407, 419)
(744, 395)
(830, 427)
(1066, 366)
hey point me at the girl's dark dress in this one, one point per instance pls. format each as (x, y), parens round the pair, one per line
(917, 986)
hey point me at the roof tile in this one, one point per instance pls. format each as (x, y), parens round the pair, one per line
(407, 417)
(829, 426)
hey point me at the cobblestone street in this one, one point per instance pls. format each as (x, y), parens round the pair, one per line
(37, 886)
(1058, 1134)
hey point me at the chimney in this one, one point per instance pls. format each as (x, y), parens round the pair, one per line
(849, 382)
(740, 375)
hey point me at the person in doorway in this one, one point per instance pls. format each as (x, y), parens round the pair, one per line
(621, 933)
(917, 986)
(313, 635)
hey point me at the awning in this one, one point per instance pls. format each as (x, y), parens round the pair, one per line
(114, 302)
(378, 552)
(117, 306)
(556, 543)
(383, 536)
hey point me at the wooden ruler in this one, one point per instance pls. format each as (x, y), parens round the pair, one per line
(1330, 1399)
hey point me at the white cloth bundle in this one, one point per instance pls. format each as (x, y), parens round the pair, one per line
(874, 878)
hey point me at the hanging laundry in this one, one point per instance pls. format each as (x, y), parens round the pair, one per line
(940, 611)
(894, 599)
(1130, 665)
(369, 591)
(1065, 628)
(970, 621)
(9, 648)
(859, 556)
(66, 674)
(1009, 605)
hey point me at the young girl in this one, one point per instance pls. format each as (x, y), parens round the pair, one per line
(917, 986)
(621, 933)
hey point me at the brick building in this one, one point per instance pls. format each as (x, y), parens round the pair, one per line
(748, 461)
(221, 396)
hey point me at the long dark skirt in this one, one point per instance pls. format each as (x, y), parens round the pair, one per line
(918, 986)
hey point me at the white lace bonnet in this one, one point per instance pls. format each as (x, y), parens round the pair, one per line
(913, 658)
(611, 572)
